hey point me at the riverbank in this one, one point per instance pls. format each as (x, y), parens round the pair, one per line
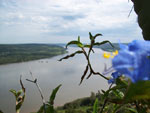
(14, 53)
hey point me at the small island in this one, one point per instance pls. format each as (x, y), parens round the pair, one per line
(13, 53)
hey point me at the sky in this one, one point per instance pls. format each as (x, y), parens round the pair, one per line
(60, 21)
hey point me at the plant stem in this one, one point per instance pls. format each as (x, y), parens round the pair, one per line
(89, 64)
(137, 106)
(105, 101)
(39, 89)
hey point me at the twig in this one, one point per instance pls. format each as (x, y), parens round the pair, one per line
(89, 64)
(22, 86)
(130, 11)
(39, 89)
(105, 101)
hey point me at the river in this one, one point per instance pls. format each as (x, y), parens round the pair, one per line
(50, 73)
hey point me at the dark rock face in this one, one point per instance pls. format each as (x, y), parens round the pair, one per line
(142, 9)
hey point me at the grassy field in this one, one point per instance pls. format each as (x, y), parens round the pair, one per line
(12, 53)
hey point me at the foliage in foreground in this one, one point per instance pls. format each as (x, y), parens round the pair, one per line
(47, 107)
(130, 83)
(19, 98)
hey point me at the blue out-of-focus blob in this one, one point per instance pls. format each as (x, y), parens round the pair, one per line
(115, 75)
(133, 60)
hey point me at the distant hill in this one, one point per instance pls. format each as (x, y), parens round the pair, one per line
(108, 47)
(105, 47)
(12, 53)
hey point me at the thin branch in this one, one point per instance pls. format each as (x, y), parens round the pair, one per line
(97, 73)
(39, 89)
(89, 64)
(31, 80)
(105, 101)
(22, 86)
(130, 11)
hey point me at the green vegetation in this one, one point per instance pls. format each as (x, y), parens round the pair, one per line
(19, 95)
(12, 53)
(82, 105)
(129, 90)
(93, 104)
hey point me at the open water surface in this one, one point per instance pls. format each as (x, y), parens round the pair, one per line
(50, 73)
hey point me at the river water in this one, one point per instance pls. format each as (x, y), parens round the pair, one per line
(50, 73)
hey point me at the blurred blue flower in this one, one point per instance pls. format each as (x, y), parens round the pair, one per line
(133, 60)
(115, 75)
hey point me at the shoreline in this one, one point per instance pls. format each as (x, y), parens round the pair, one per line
(31, 60)
(28, 52)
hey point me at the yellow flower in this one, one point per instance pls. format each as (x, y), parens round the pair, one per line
(115, 53)
(109, 55)
(106, 55)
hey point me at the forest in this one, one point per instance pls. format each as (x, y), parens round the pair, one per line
(12, 53)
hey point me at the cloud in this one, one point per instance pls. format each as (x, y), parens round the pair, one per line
(55, 18)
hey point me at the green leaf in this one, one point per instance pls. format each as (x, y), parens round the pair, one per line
(19, 93)
(103, 91)
(79, 44)
(87, 46)
(90, 36)
(122, 82)
(138, 91)
(97, 35)
(132, 110)
(53, 95)
(95, 107)
(19, 99)
(94, 37)
(114, 88)
(78, 38)
(14, 92)
(104, 42)
(48, 109)
(71, 55)
(118, 93)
